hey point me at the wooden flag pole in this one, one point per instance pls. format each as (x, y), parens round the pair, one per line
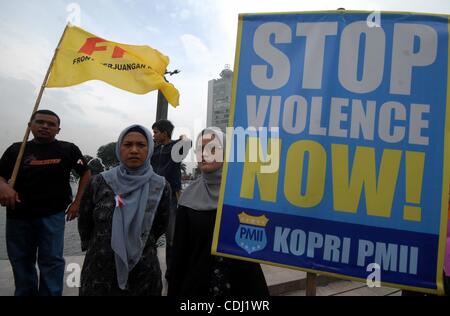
(36, 106)
(311, 284)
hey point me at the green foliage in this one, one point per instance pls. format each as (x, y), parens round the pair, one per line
(96, 166)
(107, 154)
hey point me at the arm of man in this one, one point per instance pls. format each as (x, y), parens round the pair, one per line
(79, 164)
(72, 211)
(8, 196)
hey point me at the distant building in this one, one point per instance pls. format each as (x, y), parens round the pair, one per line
(219, 98)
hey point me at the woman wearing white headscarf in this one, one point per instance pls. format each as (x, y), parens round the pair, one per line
(194, 271)
(123, 213)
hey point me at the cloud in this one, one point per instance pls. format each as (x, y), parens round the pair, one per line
(23, 56)
(197, 52)
(181, 14)
(152, 29)
(131, 3)
(17, 100)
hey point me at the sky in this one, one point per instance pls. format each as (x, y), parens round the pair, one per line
(199, 36)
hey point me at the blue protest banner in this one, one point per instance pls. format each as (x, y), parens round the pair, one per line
(338, 159)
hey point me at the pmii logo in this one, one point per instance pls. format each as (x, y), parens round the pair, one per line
(251, 234)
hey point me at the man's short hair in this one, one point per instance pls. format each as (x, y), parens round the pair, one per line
(164, 126)
(45, 112)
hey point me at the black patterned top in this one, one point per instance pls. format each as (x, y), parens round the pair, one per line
(98, 276)
(197, 273)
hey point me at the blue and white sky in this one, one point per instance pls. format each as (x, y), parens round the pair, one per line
(198, 35)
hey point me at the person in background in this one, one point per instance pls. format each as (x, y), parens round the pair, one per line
(195, 271)
(35, 206)
(122, 214)
(166, 161)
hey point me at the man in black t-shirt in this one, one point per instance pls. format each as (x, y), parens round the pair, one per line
(36, 205)
(166, 161)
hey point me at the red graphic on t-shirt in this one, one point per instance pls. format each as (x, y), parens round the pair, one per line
(44, 162)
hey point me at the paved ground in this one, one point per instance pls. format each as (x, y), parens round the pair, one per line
(348, 288)
(285, 282)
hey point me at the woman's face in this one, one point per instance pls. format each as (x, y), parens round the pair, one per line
(134, 150)
(209, 154)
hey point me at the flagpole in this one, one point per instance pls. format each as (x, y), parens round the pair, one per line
(36, 106)
(162, 104)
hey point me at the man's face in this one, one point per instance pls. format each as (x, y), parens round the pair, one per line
(158, 136)
(44, 127)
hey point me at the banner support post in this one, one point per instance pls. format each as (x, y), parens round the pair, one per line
(311, 284)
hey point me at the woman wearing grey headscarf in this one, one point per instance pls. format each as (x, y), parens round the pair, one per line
(123, 213)
(194, 271)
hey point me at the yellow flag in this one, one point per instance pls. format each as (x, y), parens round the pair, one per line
(83, 56)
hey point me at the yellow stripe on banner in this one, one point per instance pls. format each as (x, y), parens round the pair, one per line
(445, 180)
(229, 134)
